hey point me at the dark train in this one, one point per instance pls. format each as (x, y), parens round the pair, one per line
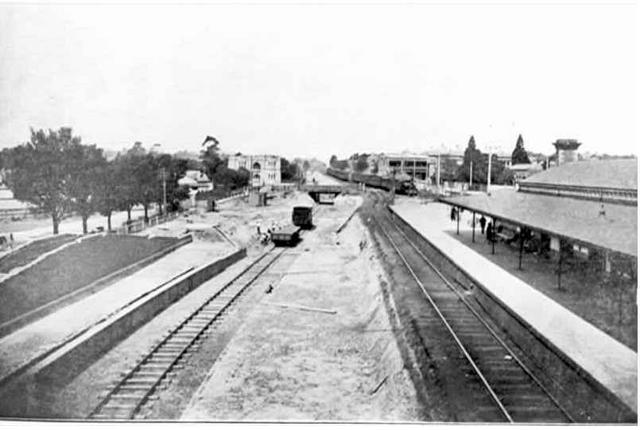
(302, 216)
(402, 186)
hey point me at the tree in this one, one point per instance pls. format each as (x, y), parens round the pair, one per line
(106, 191)
(480, 165)
(472, 155)
(361, 162)
(332, 161)
(170, 170)
(87, 162)
(148, 182)
(288, 171)
(40, 171)
(519, 154)
(125, 186)
(214, 165)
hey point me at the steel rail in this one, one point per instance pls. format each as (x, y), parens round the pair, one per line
(483, 321)
(453, 334)
(180, 354)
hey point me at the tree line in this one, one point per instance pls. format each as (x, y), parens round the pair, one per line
(60, 175)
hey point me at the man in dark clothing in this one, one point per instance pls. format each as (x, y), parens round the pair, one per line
(453, 213)
(489, 232)
(483, 222)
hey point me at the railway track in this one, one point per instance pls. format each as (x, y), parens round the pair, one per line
(126, 398)
(504, 389)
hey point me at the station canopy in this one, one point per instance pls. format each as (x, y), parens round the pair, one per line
(615, 173)
(570, 218)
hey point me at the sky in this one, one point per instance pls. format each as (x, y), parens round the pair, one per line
(319, 79)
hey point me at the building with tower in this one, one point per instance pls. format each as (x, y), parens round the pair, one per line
(264, 169)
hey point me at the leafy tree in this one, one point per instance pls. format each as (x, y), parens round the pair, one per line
(148, 182)
(87, 162)
(288, 171)
(170, 170)
(241, 178)
(124, 170)
(332, 161)
(214, 165)
(216, 168)
(106, 191)
(480, 165)
(361, 164)
(472, 155)
(519, 154)
(229, 179)
(40, 171)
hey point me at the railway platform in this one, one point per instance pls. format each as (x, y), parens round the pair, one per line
(25, 345)
(605, 362)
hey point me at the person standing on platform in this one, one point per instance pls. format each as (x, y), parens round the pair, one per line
(453, 213)
(489, 232)
(483, 223)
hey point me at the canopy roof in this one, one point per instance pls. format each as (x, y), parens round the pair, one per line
(575, 219)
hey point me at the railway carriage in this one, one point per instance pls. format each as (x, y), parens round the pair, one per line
(401, 186)
(286, 236)
(302, 216)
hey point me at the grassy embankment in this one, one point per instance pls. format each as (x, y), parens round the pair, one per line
(71, 269)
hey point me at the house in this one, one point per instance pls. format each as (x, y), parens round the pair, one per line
(196, 181)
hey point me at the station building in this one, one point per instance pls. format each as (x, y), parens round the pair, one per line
(419, 167)
(265, 169)
(583, 214)
(523, 171)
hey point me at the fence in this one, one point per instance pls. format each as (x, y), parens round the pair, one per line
(21, 213)
(138, 225)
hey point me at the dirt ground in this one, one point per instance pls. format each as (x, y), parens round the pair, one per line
(320, 346)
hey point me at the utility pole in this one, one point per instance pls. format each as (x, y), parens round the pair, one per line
(164, 191)
(470, 174)
(438, 173)
(489, 174)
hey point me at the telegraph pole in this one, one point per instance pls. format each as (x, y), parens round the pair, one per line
(470, 174)
(489, 174)
(438, 174)
(164, 191)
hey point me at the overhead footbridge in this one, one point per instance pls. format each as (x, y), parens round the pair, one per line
(324, 194)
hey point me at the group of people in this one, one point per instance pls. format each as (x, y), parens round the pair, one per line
(485, 227)
(265, 236)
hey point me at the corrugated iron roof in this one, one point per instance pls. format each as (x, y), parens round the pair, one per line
(616, 173)
(577, 219)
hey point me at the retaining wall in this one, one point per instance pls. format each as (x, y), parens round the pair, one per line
(68, 361)
(586, 399)
(76, 295)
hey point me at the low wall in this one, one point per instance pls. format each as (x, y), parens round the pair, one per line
(68, 361)
(46, 309)
(586, 399)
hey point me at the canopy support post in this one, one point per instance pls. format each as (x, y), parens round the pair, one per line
(473, 228)
(521, 247)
